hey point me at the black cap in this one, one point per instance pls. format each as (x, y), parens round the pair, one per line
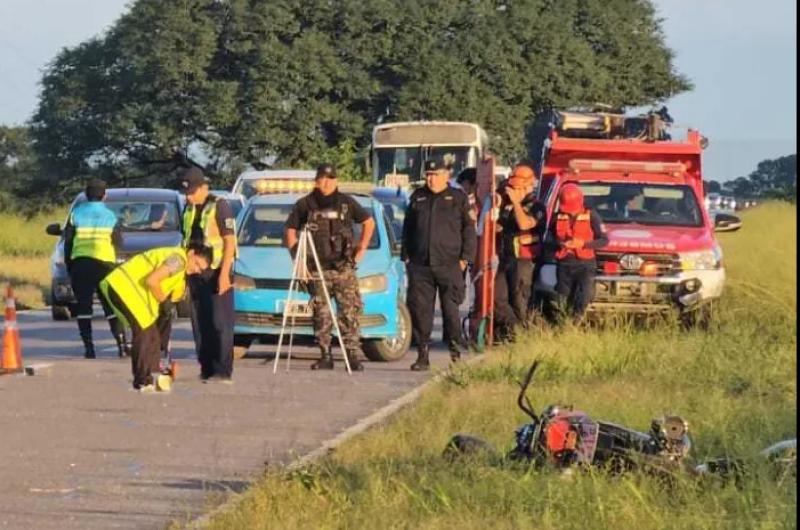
(191, 179)
(326, 171)
(435, 165)
(95, 189)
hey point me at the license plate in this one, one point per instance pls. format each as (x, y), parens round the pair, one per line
(295, 308)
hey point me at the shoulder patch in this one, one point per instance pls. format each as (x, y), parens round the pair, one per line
(230, 223)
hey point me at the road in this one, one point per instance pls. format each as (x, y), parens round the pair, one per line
(81, 449)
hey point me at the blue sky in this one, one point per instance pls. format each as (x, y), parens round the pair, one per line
(740, 54)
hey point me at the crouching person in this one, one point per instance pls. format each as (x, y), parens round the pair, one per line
(575, 233)
(137, 290)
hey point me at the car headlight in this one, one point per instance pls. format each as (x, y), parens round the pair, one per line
(702, 260)
(373, 284)
(243, 283)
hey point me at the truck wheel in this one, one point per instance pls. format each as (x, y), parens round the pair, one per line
(241, 343)
(388, 350)
(60, 312)
(700, 318)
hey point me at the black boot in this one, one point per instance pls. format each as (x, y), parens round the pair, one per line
(355, 364)
(85, 329)
(456, 349)
(422, 363)
(325, 362)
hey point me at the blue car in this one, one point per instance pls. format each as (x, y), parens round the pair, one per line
(263, 271)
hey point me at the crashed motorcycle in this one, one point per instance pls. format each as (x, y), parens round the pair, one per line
(566, 438)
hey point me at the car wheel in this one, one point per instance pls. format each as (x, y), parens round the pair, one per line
(389, 350)
(60, 312)
(241, 343)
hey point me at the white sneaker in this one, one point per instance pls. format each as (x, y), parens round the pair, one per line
(147, 389)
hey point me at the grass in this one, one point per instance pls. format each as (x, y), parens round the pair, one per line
(25, 251)
(735, 383)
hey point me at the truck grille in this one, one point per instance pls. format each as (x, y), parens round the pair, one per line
(276, 319)
(668, 264)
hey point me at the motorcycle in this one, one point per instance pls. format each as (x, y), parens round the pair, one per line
(565, 438)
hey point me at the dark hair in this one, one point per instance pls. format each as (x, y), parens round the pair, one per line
(204, 252)
(468, 174)
(95, 190)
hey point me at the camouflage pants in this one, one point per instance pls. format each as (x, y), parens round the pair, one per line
(343, 288)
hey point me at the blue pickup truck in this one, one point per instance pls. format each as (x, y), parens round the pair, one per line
(263, 271)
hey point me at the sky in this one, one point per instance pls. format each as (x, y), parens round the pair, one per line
(741, 56)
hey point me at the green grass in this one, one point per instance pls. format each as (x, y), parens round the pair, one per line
(25, 251)
(735, 384)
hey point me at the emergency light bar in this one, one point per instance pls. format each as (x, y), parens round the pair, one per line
(675, 169)
(271, 186)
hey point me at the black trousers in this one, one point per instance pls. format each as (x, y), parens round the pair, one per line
(575, 285)
(424, 282)
(212, 325)
(505, 318)
(85, 275)
(146, 347)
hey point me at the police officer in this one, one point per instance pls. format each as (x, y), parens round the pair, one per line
(329, 216)
(90, 237)
(521, 224)
(209, 222)
(437, 245)
(139, 289)
(574, 234)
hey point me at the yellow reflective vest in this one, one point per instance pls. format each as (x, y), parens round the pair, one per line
(94, 225)
(129, 281)
(208, 224)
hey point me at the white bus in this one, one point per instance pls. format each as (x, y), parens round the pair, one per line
(399, 149)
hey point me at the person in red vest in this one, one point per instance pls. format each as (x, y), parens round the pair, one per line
(574, 234)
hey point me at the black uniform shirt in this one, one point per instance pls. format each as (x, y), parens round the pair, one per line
(225, 220)
(438, 229)
(299, 214)
(508, 221)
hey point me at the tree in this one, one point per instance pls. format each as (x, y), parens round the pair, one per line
(224, 84)
(773, 179)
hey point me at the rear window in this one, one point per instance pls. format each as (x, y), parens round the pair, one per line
(146, 216)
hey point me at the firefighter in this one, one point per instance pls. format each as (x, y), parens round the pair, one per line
(574, 234)
(90, 237)
(329, 215)
(521, 224)
(139, 291)
(209, 222)
(438, 243)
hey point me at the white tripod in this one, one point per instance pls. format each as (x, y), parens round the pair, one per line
(300, 273)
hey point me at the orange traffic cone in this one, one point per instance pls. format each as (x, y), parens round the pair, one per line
(12, 349)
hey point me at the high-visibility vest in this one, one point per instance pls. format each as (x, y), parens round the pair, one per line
(568, 227)
(129, 281)
(526, 245)
(208, 224)
(94, 223)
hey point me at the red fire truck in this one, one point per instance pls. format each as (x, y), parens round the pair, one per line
(647, 187)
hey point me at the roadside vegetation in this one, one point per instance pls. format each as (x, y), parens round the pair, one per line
(25, 251)
(735, 384)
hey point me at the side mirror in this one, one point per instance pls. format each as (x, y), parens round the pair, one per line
(53, 229)
(725, 222)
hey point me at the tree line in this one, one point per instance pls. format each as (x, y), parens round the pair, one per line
(226, 84)
(772, 179)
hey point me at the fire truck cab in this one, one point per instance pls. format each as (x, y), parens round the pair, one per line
(662, 253)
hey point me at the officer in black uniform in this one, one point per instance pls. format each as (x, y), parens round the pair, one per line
(91, 236)
(329, 216)
(438, 244)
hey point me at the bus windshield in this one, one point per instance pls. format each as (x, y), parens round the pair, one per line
(408, 160)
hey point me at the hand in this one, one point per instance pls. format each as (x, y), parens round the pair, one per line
(224, 284)
(359, 255)
(574, 243)
(515, 195)
(462, 265)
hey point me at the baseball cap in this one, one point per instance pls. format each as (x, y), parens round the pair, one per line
(435, 165)
(326, 171)
(95, 189)
(191, 179)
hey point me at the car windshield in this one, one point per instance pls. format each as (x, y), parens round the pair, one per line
(643, 204)
(263, 226)
(395, 210)
(146, 216)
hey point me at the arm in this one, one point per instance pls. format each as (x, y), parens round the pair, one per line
(408, 227)
(291, 240)
(116, 236)
(600, 237)
(469, 240)
(227, 229)
(173, 265)
(69, 238)
(522, 214)
(292, 225)
(366, 235)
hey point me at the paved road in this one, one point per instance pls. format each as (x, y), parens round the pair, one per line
(81, 449)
